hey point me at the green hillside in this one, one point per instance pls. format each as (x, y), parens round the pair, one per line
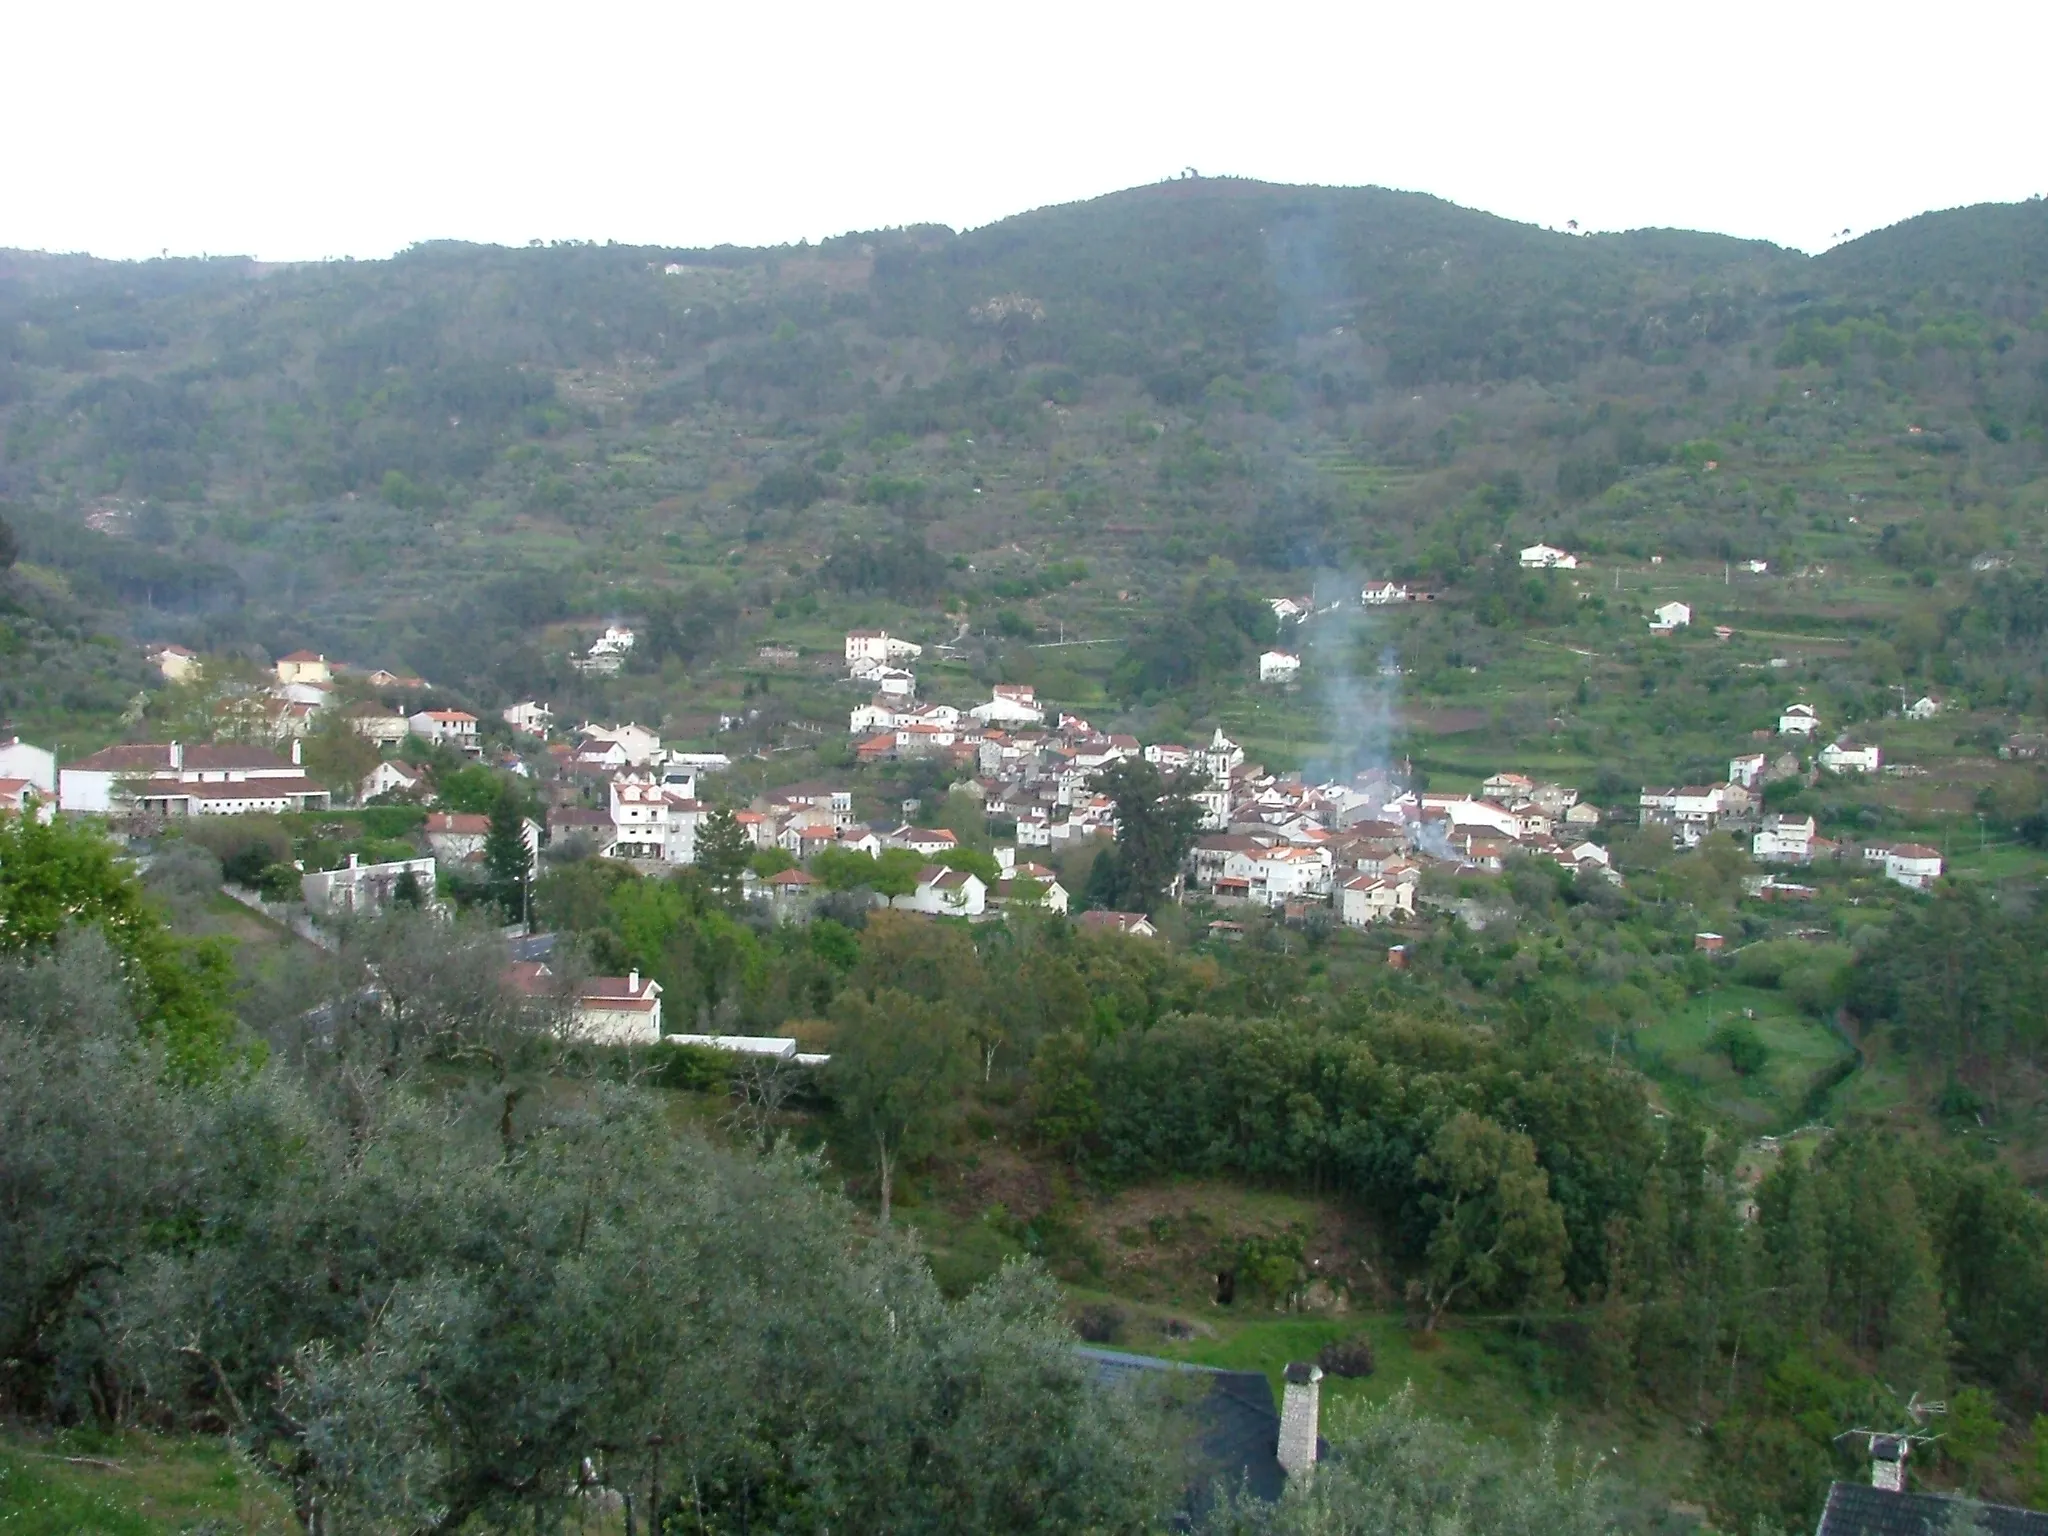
(347, 455)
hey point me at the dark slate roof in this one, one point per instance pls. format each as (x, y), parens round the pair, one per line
(1857, 1509)
(531, 946)
(1238, 1440)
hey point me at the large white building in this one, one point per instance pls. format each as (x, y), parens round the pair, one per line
(654, 820)
(172, 779)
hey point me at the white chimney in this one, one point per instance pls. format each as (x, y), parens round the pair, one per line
(1888, 1462)
(1300, 1413)
(633, 982)
(295, 751)
(177, 757)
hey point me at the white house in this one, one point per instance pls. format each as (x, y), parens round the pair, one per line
(1925, 708)
(1784, 840)
(16, 795)
(1033, 884)
(619, 1010)
(359, 887)
(1011, 704)
(1850, 757)
(1508, 786)
(1748, 770)
(1287, 873)
(878, 645)
(627, 744)
(943, 892)
(529, 716)
(1798, 720)
(390, 779)
(1547, 557)
(878, 714)
(1367, 899)
(1913, 864)
(1383, 595)
(1756, 567)
(451, 727)
(378, 724)
(35, 766)
(1279, 667)
(931, 842)
(1671, 616)
(893, 683)
(175, 663)
(615, 641)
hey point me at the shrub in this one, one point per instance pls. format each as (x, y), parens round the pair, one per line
(1100, 1323)
(1348, 1357)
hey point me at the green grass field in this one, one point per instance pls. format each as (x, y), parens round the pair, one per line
(1676, 1052)
(134, 1485)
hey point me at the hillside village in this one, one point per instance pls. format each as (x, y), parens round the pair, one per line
(1374, 849)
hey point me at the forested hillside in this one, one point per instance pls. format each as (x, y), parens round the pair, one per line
(350, 455)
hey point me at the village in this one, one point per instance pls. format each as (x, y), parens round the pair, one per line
(1374, 849)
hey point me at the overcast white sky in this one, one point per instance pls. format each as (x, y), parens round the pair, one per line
(293, 131)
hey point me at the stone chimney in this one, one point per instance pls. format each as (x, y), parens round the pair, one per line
(1888, 1462)
(296, 745)
(1300, 1415)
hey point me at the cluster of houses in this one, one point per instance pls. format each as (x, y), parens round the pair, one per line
(304, 686)
(1692, 811)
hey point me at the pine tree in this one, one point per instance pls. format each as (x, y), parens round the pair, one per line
(723, 849)
(506, 856)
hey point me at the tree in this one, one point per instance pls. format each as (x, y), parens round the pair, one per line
(896, 1063)
(1156, 822)
(338, 755)
(471, 789)
(723, 849)
(1498, 1234)
(508, 862)
(61, 877)
(10, 547)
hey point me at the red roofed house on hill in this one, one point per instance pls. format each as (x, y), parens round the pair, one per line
(609, 1010)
